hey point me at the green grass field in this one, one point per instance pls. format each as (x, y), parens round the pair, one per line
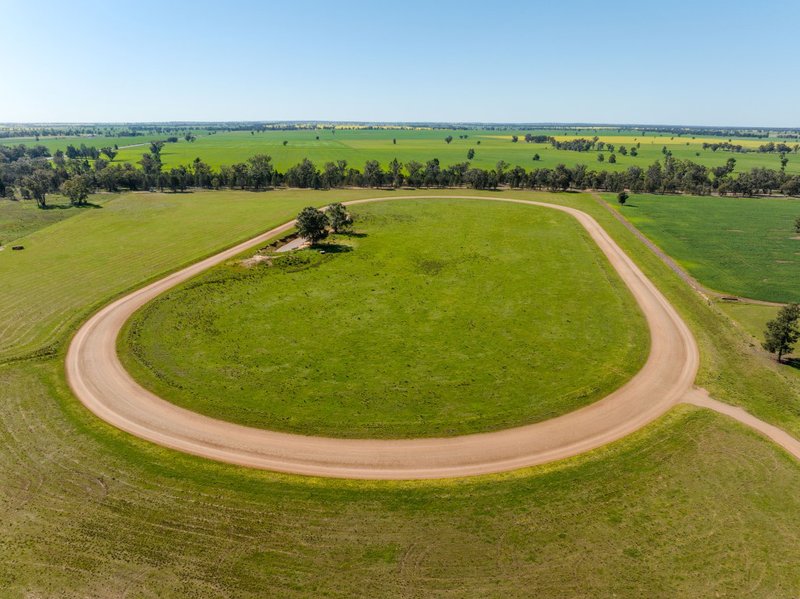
(753, 319)
(692, 506)
(741, 246)
(21, 218)
(61, 142)
(414, 332)
(359, 145)
(68, 265)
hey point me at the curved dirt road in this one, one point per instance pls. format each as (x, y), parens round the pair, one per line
(98, 379)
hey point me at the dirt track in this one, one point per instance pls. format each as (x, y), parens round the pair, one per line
(101, 383)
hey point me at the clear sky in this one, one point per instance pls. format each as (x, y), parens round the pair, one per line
(695, 62)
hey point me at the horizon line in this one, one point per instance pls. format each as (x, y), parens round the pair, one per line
(572, 124)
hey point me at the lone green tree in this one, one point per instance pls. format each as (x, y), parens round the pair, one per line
(312, 224)
(622, 197)
(155, 147)
(470, 154)
(77, 189)
(782, 333)
(339, 218)
(797, 225)
(36, 186)
(448, 139)
(110, 153)
(396, 172)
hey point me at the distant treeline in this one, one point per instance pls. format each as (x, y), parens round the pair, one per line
(83, 132)
(25, 173)
(180, 128)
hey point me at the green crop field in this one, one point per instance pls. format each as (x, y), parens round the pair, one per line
(740, 246)
(411, 333)
(356, 146)
(693, 505)
(60, 142)
(359, 145)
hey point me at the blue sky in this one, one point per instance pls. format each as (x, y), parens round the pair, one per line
(679, 62)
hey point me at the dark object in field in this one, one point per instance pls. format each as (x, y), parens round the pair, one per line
(17, 247)
(727, 298)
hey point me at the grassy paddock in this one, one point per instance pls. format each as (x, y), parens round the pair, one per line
(694, 505)
(741, 246)
(444, 318)
(753, 319)
(67, 267)
(21, 218)
(359, 145)
(91, 511)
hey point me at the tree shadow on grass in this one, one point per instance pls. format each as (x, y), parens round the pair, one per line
(352, 234)
(71, 206)
(332, 248)
(792, 362)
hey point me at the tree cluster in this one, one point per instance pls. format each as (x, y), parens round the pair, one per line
(313, 224)
(725, 146)
(780, 148)
(538, 139)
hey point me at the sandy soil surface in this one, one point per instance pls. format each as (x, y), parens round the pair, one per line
(98, 379)
(294, 244)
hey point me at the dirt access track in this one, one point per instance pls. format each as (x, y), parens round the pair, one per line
(98, 379)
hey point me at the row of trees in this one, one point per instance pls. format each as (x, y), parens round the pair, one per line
(780, 148)
(582, 144)
(25, 174)
(769, 147)
(726, 146)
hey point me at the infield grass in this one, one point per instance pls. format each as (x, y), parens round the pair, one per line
(441, 318)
